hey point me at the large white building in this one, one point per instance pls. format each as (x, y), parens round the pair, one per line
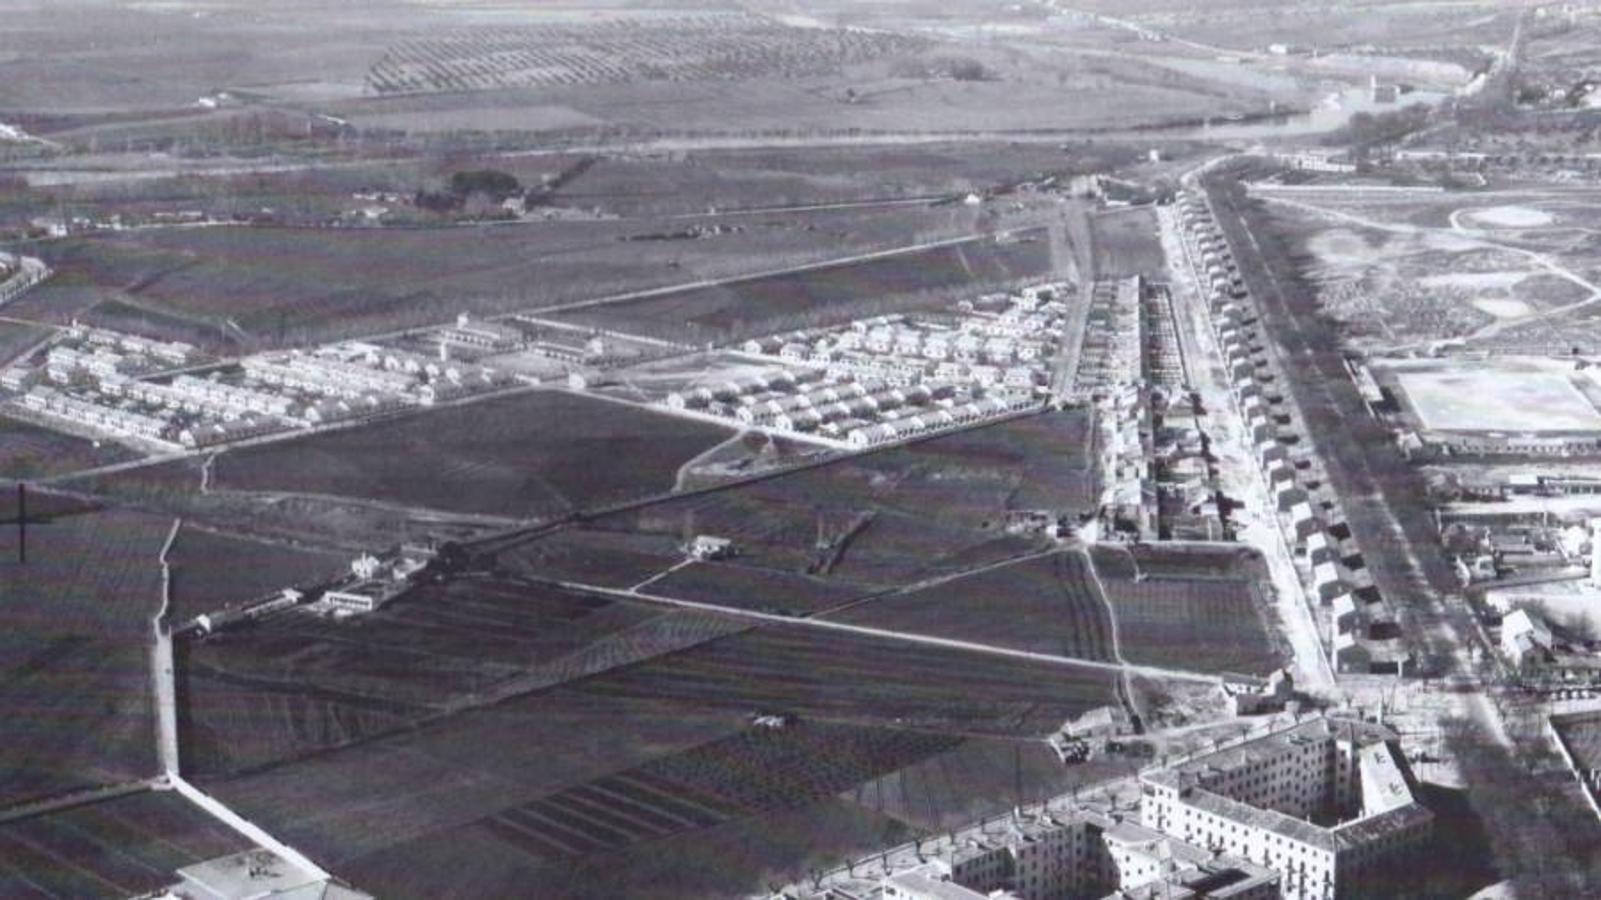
(1322, 807)
(1328, 803)
(1085, 853)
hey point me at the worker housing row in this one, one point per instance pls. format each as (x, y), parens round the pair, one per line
(1360, 626)
(265, 394)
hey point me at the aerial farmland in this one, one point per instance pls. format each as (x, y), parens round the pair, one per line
(869, 449)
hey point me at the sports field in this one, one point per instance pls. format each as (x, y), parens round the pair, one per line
(1496, 400)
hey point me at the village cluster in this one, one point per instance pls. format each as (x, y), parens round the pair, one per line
(165, 396)
(887, 378)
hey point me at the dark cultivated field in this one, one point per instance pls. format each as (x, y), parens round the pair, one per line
(847, 678)
(74, 664)
(30, 451)
(822, 295)
(250, 287)
(535, 455)
(628, 775)
(16, 338)
(1198, 610)
(453, 773)
(56, 301)
(767, 177)
(981, 777)
(613, 559)
(724, 860)
(1210, 626)
(887, 518)
(295, 684)
(748, 587)
(117, 848)
(212, 570)
(1047, 604)
(757, 784)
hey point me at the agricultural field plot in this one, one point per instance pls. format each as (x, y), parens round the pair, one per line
(61, 75)
(1209, 625)
(1580, 733)
(56, 301)
(1157, 560)
(1241, 24)
(212, 570)
(30, 451)
(1032, 97)
(457, 116)
(341, 805)
(747, 587)
(937, 506)
(824, 295)
(1047, 604)
(17, 339)
(612, 559)
(534, 455)
(725, 860)
(752, 773)
(979, 778)
(74, 652)
(117, 848)
(797, 670)
(871, 534)
(661, 47)
(1127, 243)
(756, 179)
(248, 288)
(295, 684)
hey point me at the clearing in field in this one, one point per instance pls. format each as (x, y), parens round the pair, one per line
(533, 455)
(1481, 399)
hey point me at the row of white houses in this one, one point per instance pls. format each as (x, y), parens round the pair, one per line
(1363, 626)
